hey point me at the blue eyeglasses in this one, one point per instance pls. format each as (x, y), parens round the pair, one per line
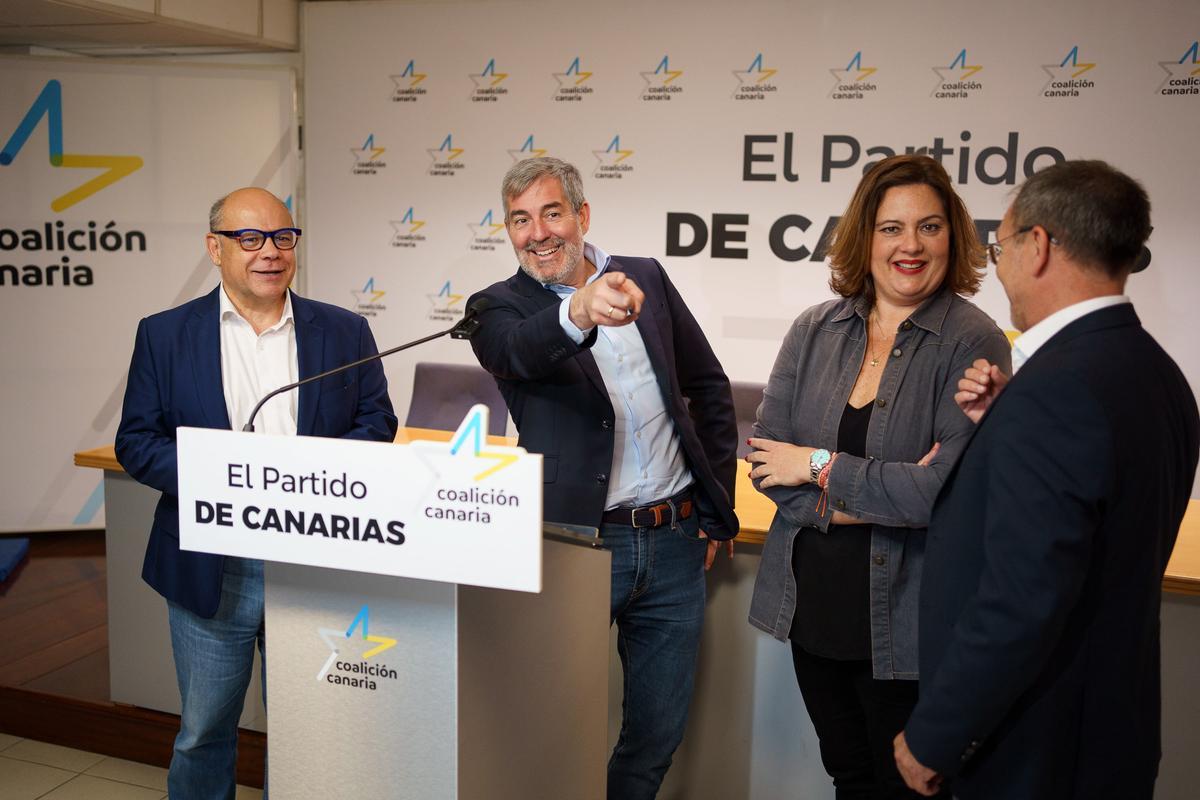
(252, 239)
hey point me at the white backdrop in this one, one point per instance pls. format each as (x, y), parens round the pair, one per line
(414, 112)
(198, 132)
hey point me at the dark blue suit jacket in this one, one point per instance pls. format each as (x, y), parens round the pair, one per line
(1039, 645)
(175, 380)
(559, 403)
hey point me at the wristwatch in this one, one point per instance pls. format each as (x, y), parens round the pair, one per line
(817, 462)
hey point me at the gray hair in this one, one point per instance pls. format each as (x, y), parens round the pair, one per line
(1099, 215)
(525, 173)
(214, 213)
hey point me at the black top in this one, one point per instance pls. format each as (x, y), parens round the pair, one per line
(832, 571)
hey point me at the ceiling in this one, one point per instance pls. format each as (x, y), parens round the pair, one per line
(101, 30)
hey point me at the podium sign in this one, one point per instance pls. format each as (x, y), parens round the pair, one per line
(462, 511)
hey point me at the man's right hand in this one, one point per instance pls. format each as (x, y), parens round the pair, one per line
(979, 386)
(612, 299)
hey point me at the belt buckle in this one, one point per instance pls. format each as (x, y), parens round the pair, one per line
(633, 517)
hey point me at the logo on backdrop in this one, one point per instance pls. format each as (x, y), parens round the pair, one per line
(754, 83)
(572, 84)
(487, 84)
(356, 671)
(408, 87)
(366, 301)
(404, 231)
(957, 81)
(851, 83)
(1066, 77)
(486, 235)
(55, 237)
(367, 159)
(49, 104)
(527, 150)
(444, 160)
(611, 162)
(444, 304)
(1183, 76)
(662, 83)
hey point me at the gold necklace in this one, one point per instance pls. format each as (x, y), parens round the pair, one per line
(882, 338)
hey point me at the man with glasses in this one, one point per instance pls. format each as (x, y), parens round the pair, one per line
(608, 375)
(1039, 614)
(206, 364)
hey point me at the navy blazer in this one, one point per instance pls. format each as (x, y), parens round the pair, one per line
(175, 380)
(1039, 613)
(558, 400)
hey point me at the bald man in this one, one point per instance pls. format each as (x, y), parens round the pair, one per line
(205, 364)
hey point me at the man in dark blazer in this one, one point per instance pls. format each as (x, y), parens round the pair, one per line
(205, 364)
(1039, 626)
(608, 375)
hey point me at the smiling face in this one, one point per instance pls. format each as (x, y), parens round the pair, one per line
(547, 235)
(254, 281)
(910, 245)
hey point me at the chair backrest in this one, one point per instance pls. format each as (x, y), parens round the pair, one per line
(444, 393)
(747, 395)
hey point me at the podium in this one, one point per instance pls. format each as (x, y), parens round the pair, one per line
(414, 650)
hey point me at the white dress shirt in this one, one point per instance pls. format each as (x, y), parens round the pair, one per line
(648, 462)
(253, 364)
(1028, 343)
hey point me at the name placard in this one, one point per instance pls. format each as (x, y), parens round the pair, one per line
(462, 511)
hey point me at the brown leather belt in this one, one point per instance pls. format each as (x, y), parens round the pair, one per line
(654, 515)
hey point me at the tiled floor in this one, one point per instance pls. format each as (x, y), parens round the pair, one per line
(30, 770)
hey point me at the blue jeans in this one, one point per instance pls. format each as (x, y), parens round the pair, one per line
(213, 661)
(658, 606)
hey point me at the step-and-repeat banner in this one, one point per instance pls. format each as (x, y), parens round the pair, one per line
(107, 173)
(723, 139)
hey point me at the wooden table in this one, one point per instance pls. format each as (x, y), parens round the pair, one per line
(755, 511)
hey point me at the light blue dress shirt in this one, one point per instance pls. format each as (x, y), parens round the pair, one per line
(648, 462)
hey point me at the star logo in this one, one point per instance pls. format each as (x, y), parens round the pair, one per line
(527, 150)
(486, 228)
(662, 75)
(958, 71)
(412, 224)
(369, 293)
(443, 298)
(489, 77)
(368, 152)
(574, 76)
(337, 640)
(756, 74)
(853, 73)
(613, 154)
(409, 78)
(48, 104)
(469, 439)
(446, 152)
(1069, 69)
(1186, 67)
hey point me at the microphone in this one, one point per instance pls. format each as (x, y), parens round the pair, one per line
(463, 329)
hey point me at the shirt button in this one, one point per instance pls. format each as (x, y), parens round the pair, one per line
(906, 325)
(897, 352)
(881, 402)
(879, 560)
(601, 478)
(841, 504)
(638, 435)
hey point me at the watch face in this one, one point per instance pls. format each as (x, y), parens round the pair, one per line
(819, 458)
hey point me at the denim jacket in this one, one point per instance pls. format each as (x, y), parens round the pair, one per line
(806, 394)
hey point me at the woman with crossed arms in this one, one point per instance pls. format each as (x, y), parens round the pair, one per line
(857, 430)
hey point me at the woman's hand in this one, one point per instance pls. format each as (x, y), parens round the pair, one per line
(779, 463)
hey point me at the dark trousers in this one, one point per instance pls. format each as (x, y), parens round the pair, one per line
(856, 718)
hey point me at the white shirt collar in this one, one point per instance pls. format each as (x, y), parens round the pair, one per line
(1029, 342)
(229, 310)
